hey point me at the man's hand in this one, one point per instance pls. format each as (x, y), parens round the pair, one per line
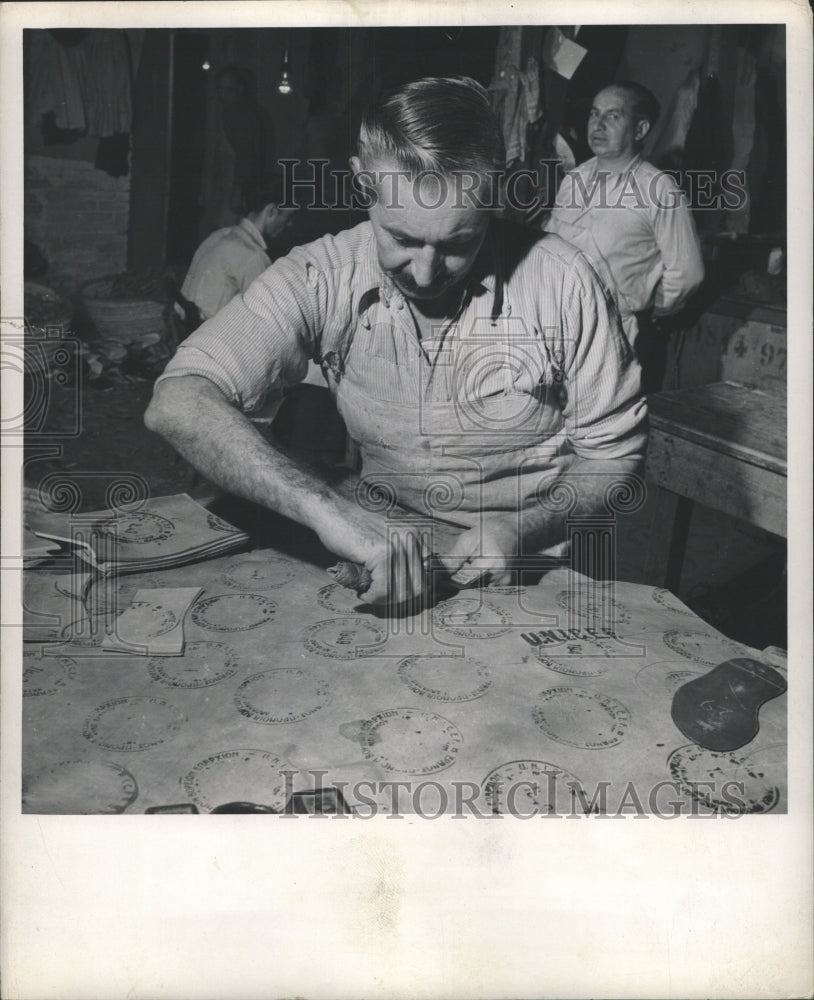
(482, 554)
(397, 567)
(395, 555)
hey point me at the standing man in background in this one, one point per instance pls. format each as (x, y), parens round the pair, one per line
(631, 219)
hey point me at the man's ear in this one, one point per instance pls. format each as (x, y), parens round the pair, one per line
(363, 184)
(642, 128)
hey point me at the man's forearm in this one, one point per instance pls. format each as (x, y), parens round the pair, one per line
(587, 489)
(201, 424)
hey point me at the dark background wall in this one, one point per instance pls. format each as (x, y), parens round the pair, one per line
(88, 222)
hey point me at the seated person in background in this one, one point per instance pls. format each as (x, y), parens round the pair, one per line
(229, 259)
(477, 365)
(225, 265)
(629, 217)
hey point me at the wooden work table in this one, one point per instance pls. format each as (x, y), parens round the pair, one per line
(722, 445)
(558, 689)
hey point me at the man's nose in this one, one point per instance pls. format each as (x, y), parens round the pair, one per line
(426, 265)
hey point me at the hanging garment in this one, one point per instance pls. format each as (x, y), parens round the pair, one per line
(113, 154)
(515, 93)
(57, 81)
(743, 134)
(54, 136)
(667, 151)
(108, 98)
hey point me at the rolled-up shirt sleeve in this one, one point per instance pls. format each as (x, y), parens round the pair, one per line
(263, 338)
(604, 412)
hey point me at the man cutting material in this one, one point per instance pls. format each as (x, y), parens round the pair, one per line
(476, 365)
(628, 216)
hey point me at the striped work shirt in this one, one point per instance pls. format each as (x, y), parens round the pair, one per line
(533, 307)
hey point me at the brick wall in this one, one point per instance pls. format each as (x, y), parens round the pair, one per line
(78, 216)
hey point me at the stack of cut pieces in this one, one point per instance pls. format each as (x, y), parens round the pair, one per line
(152, 534)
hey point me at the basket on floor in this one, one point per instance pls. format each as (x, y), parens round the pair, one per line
(48, 319)
(123, 319)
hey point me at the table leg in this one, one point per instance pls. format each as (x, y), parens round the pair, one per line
(669, 528)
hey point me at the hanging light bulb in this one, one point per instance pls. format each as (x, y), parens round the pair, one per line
(284, 86)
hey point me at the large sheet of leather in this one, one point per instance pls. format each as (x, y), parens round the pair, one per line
(478, 704)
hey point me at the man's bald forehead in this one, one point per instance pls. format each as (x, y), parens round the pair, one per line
(624, 97)
(640, 102)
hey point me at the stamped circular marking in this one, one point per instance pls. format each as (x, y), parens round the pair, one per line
(286, 694)
(114, 595)
(665, 678)
(237, 776)
(698, 646)
(507, 590)
(145, 620)
(667, 599)
(410, 741)
(594, 605)
(202, 665)
(46, 674)
(763, 769)
(716, 780)
(344, 638)
(138, 527)
(528, 787)
(580, 718)
(79, 788)
(136, 723)
(259, 572)
(334, 597)
(581, 658)
(471, 618)
(233, 612)
(445, 678)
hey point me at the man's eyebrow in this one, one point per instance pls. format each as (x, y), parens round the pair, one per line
(456, 238)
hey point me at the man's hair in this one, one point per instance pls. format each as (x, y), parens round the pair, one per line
(271, 190)
(643, 101)
(440, 124)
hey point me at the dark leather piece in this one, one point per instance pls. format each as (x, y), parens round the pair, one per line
(243, 807)
(719, 711)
